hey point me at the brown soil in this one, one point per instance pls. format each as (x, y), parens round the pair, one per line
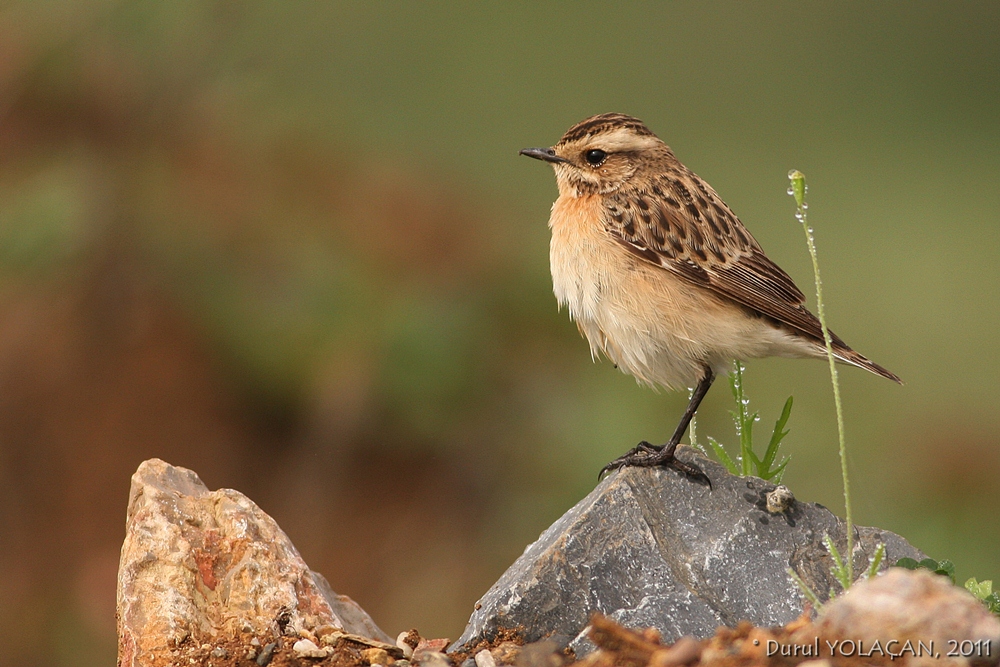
(742, 646)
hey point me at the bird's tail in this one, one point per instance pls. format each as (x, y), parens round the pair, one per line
(849, 356)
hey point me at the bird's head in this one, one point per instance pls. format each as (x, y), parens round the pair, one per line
(598, 155)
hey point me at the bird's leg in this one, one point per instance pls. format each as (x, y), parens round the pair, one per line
(667, 452)
(646, 455)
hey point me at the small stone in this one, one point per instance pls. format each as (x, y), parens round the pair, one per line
(539, 654)
(336, 636)
(254, 642)
(485, 659)
(219, 652)
(331, 638)
(324, 630)
(377, 656)
(266, 654)
(433, 659)
(426, 648)
(410, 638)
(306, 648)
(506, 653)
(402, 663)
(403, 646)
(780, 499)
(431, 645)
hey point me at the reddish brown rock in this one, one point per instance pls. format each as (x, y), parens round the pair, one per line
(912, 614)
(201, 566)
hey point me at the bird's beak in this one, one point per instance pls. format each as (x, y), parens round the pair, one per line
(546, 154)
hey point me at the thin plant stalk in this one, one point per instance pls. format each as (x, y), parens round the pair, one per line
(798, 190)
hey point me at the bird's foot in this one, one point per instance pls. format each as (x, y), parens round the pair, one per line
(645, 455)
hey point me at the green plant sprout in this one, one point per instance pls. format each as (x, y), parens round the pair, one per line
(806, 590)
(983, 590)
(798, 190)
(876, 561)
(945, 567)
(839, 571)
(747, 462)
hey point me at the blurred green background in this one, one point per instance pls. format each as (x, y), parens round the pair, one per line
(292, 246)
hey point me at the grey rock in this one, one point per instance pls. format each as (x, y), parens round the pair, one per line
(650, 548)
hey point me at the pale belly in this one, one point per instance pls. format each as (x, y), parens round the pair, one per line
(649, 322)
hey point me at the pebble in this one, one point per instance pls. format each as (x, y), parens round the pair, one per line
(306, 648)
(376, 656)
(485, 659)
(265, 655)
(506, 653)
(780, 499)
(219, 652)
(403, 646)
(539, 654)
(434, 659)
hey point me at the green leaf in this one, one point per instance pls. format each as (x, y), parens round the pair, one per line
(839, 569)
(981, 589)
(947, 569)
(777, 434)
(747, 462)
(876, 560)
(804, 587)
(779, 472)
(723, 456)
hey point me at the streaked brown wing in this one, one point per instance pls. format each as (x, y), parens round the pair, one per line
(682, 225)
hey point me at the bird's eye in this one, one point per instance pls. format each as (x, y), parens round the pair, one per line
(595, 156)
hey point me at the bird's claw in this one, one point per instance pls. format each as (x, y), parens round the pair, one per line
(645, 455)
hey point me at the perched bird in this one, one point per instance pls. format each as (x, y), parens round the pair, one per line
(661, 276)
